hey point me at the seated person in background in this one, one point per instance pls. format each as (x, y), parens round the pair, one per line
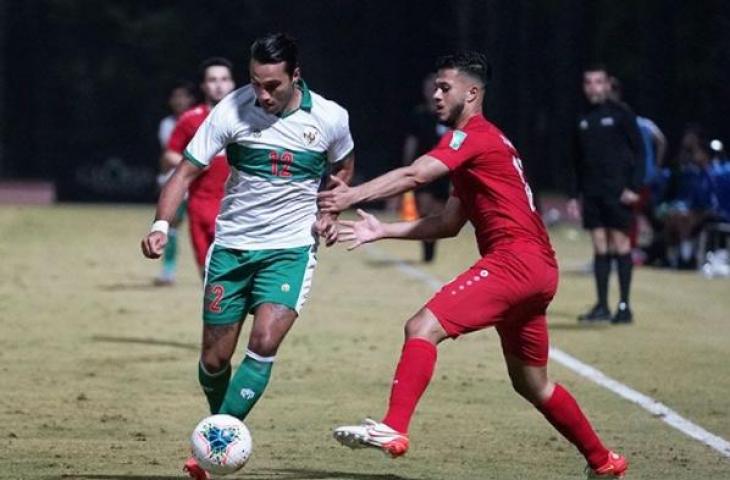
(720, 175)
(689, 202)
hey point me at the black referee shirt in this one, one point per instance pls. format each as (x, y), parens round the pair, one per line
(608, 153)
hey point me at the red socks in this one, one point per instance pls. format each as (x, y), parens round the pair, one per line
(563, 412)
(413, 374)
(414, 371)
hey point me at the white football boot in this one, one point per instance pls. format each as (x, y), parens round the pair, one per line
(373, 434)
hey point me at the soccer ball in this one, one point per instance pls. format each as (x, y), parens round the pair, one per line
(221, 444)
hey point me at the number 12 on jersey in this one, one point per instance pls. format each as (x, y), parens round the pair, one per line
(281, 163)
(528, 191)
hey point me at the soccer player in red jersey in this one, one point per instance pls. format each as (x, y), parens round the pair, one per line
(509, 287)
(206, 191)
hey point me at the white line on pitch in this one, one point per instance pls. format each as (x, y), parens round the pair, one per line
(649, 404)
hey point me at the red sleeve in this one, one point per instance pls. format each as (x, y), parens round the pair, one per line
(455, 148)
(181, 135)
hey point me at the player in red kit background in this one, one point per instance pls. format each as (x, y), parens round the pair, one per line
(206, 191)
(509, 287)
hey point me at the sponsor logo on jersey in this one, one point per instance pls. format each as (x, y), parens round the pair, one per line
(457, 139)
(607, 121)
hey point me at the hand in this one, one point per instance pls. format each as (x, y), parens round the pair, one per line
(337, 199)
(628, 197)
(366, 230)
(153, 244)
(326, 227)
(573, 209)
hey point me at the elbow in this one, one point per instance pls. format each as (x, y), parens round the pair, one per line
(415, 177)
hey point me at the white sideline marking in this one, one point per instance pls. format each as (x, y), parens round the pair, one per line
(654, 407)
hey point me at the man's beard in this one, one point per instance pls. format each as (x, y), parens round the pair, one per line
(454, 115)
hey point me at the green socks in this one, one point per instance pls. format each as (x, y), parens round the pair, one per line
(169, 257)
(214, 386)
(247, 385)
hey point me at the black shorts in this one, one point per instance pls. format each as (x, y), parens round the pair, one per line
(606, 212)
(439, 188)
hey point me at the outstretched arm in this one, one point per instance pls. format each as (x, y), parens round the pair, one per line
(424, 170)
(369, 229)
(326, 224)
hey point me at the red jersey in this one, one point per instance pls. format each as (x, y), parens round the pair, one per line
(210, 184)
(488, 179)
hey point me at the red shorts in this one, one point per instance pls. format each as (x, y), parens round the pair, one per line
(507, 289)
(201, 217)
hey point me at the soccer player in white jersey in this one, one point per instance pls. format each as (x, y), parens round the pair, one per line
(280, 137)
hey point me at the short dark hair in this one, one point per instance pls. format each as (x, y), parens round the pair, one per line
(213, 62)
(276, 48)
(186, 85)
(596, 67)
(469, 62)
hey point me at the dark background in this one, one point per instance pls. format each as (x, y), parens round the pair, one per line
(83, 83)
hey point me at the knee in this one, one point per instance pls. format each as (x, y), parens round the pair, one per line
(263, 343)
(213, 362)
(535, 393)
(425, 325)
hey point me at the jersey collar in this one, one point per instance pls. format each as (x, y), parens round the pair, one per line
(305, 103)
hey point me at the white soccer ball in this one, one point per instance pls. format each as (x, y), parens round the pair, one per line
(221, 444)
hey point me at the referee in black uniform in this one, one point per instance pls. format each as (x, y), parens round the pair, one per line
(607, 173)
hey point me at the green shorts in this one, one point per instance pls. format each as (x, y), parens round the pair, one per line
(237, 281)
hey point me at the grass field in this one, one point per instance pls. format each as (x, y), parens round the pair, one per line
(98, 369)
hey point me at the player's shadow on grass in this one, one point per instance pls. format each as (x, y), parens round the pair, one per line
(273, 474)
(117, 287)
(387, 262)
(305, 474)
(145, 341)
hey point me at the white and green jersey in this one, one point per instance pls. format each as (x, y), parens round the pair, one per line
(276, 162)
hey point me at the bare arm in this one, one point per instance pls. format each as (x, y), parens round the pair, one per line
(170, 160)
(424, 170)
(344, 170)
(660, 142)
(326, 224)
(170, 199)
(369, 229)
(446, 224)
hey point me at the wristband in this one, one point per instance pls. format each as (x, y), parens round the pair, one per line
(161, 226)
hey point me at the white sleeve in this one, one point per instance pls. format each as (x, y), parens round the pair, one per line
(167, 124)
(210, 138)
(341, 143)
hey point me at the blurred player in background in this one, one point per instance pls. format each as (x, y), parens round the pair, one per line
(655, 149)
(424, 132)
(181, 98)
(280, 138)
(607, 174)
(206, 191)
(509, 288)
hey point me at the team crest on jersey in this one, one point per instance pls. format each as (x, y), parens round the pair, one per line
(457, 139)
(583, 124)
(311, 135)
(257, 133)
